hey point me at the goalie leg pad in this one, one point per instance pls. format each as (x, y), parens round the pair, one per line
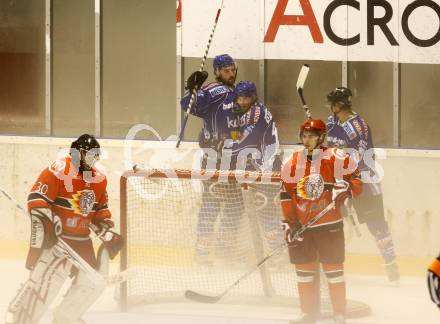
(81, 295)
(35, 296)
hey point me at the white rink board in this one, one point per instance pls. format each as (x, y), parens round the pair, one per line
(410, 185)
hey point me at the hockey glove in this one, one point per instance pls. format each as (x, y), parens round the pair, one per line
(113, 243)
(341, 192)
(195, 80)
(290, 229)
(45, 228)
(434, 281)
(103, 226)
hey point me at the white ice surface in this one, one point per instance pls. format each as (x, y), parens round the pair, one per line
(408, 303)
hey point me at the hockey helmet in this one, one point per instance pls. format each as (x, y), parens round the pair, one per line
(341, 95)
(314, 125)
(244, 89)
(222, 60)
(85, 150)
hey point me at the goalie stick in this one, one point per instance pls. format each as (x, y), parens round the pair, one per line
(202, 298)
(300, 88)
(202, 65)
(76, 259)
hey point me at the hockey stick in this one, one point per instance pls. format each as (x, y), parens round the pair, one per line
(202, 65)
(76, 259)
(300, 88)
(349, 209)
(202, 298)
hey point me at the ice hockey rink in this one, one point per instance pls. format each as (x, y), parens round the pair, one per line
(118, 69)
(407, 303)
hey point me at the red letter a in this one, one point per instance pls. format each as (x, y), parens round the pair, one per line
(279, 18)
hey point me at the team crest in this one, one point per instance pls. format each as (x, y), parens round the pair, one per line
(310, 187)
(82, 202)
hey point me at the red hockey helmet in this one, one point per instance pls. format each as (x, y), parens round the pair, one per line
(314, 125)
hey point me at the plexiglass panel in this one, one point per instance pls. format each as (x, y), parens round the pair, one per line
(420, 112)
(22, 66)
(372, 86)
(73, 67)
(283, 100)
(138, 67)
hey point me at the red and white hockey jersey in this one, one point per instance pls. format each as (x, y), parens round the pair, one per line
(307, 184)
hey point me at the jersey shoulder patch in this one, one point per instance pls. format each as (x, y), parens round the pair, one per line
(349, 130)
(216, 89)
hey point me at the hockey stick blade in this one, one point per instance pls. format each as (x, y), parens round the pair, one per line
(302, 76)
(194, 296)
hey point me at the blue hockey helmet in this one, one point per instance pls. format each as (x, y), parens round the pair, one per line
(244, 89)
(222, 60)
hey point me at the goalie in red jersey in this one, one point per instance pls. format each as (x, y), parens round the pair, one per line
(66, 199)
(312, 180)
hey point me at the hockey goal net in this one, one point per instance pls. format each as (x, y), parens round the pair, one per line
(201, 230)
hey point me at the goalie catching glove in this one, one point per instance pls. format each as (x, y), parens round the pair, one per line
(195, 80)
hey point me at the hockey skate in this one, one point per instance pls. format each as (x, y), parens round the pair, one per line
(305, 318)
(393, 273)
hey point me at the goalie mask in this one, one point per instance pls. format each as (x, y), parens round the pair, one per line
(85, 151)
(342, 96)
(245, 94)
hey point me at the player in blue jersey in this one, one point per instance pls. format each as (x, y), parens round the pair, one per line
(213, 103)
(346, 129)
(258, 135)
(255, 149)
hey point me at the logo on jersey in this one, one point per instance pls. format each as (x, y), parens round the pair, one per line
(217, 91)
(357, 126)
(82, 202)
(310, 187)
(232, 123)
(336, 142)
(228, 106)
(348, 128)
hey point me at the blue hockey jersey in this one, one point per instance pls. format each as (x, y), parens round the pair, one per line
(213, 104)
(356, 134)
(258, 134)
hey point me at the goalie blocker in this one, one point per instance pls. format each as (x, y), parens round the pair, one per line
(67, 198)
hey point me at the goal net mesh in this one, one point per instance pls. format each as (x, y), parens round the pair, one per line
(191, 231)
